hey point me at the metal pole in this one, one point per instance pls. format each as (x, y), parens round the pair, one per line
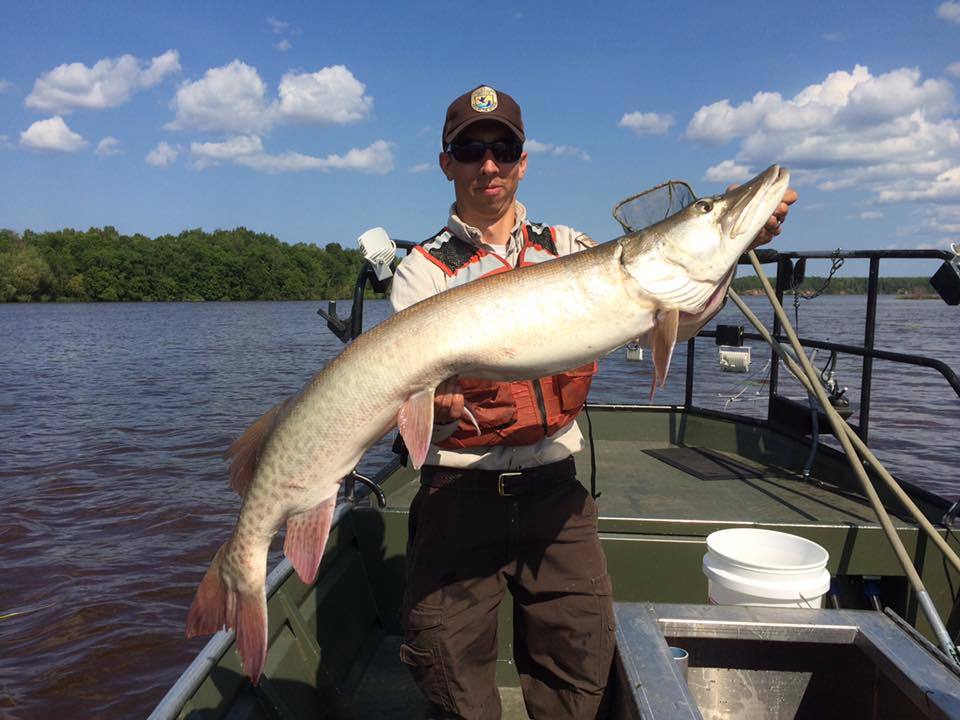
(774, 362)
(871, 493)
(866, 378)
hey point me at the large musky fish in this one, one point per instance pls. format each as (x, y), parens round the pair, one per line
(553, 316)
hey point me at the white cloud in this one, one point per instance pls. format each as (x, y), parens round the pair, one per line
(843, 100)
(376, 159)
(892, 134)
(247, 150)
(52, 134)
(728, 171)
(944, 188)
(110, 82)
(5, 85)
(953, 69)
(230, 98)
(211, 153)
(5, 143)
(233, 99)
(330, 95)
(283, 45)
(108, 146)
(870, 215)
(650, 123)
(163, 155)
(833, 37)
(842, 178)
(537, 147)
(949, 11)
(278, 26)
(421, 167)
(942, 219)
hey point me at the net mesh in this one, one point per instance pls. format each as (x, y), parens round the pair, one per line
(653, 205)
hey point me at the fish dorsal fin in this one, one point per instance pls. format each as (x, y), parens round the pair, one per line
(245, 450)
(415, 421)
(665, 326)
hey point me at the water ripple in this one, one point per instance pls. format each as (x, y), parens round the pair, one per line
(113, 423)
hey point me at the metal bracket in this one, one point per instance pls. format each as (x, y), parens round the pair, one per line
(338, 326)
(349, 488)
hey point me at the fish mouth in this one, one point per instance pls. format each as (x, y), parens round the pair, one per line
(750, 205)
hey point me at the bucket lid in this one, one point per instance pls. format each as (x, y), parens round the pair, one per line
(758, 549)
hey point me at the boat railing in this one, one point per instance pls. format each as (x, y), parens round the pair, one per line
(790, 269)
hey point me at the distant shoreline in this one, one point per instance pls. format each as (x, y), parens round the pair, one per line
(901, 287)
(101, 265)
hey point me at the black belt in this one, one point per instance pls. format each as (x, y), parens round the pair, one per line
(505, 483)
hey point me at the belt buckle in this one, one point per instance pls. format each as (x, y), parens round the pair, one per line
(500, 490)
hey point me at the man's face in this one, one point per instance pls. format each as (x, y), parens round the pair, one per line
(485, 189)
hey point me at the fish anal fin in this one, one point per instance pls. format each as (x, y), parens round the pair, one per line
(666, 325)
(307, 534)
(415, 421)
(244, 451)
(252, 633)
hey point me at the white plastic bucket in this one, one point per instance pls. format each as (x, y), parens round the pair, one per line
(749, 566)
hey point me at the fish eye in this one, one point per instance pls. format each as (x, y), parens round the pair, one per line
(704, 206)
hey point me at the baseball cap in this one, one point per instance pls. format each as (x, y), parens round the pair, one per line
(482, 103)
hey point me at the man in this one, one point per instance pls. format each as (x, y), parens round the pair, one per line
(503, 509)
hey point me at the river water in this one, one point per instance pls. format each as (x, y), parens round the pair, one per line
(114, 418)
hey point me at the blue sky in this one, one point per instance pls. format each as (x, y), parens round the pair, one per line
(316, 121)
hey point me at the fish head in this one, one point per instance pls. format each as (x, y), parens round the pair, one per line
(681, 260)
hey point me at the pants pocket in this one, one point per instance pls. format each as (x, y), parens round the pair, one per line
(603, 593)
(422, 654)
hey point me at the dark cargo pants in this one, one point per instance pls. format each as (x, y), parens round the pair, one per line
(465, 550)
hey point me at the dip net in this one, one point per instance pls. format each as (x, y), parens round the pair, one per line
(653, 205)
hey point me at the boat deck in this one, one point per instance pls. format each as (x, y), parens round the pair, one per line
(661, 495)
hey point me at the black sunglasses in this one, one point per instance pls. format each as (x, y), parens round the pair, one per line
(471, 151)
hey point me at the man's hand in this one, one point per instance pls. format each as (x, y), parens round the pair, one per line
(447, 402)
(769, 231)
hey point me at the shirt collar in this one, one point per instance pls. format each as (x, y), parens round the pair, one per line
(472, 235)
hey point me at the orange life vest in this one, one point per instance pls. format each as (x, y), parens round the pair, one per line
(508, 413)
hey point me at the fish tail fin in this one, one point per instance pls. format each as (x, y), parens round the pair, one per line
(307, 534)
(217, 605)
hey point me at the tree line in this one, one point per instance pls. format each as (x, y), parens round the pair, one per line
(908, 286)
(100, 264)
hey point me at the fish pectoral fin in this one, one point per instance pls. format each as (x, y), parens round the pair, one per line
(307, 534)
(665, 326)
(415, 421)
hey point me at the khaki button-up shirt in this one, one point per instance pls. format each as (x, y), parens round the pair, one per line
(417, 278)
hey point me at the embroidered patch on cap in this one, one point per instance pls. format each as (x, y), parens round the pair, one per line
(484, 99)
